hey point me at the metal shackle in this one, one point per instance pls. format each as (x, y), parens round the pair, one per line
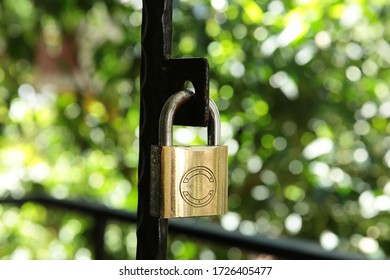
(168, 114)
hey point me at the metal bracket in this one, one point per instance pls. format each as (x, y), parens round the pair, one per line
(195, 70)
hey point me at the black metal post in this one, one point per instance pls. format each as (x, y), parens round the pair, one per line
(99, 230)
(161, 77)
(156, 46)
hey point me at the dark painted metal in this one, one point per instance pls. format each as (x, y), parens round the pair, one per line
(99, 230)
(87, 207)
(195, 70)
(286, 248)
(151, 232)
(161, 77)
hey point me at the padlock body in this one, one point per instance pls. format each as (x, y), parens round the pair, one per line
(189, 181)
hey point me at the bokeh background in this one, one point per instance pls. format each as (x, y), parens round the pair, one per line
(304, 95)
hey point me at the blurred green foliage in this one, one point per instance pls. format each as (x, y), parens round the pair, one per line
(303, 91)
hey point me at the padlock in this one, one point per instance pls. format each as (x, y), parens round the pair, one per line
(188, 181)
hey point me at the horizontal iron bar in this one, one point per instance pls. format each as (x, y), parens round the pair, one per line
(89, 207)
(283, 248)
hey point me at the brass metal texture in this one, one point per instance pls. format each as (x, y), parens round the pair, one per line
(189, 181)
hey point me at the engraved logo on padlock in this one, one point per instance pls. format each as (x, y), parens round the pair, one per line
(189, 186)
(188, 181)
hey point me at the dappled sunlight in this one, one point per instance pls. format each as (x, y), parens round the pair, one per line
(230, 221)
(318, 147)
(293, 223)
(329, 240)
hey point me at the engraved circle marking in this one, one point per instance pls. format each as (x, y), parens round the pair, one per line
(195, 179)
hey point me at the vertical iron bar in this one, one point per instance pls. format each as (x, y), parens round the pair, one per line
(156, 49)
(99, 230)
(161, 77)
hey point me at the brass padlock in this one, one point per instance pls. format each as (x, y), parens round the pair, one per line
(188, 181)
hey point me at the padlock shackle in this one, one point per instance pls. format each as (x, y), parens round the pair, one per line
(168, 113)
(214, 115)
